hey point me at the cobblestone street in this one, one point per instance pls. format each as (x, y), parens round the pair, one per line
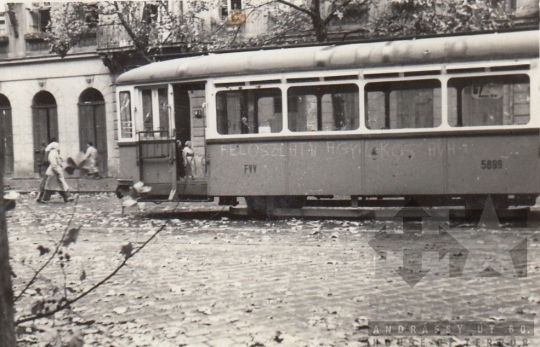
(235, 282)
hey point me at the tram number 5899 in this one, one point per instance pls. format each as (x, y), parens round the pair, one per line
(491, 164)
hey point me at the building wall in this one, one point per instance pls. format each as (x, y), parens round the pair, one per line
(65, 79)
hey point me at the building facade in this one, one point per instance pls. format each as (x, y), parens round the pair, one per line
(43, 96)
(72, 99)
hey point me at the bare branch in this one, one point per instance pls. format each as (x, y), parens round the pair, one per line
(58, 245)
(68, 303)
(136, 40)
(82, 295)
(332, 13)
(359, 30)
(298, 8)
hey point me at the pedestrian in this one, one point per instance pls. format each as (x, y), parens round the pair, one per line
(91, 159)
(180, 169)
(43, 165)
(188, 156)
(55, 175)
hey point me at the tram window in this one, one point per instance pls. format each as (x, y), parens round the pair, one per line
(163, 105)
(251, 111)
(323, 108)
(126, 121)
(489, 101)
(155, 102)
(403, 104)
(148, 117)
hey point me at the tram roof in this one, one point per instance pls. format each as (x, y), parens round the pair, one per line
(522, 44)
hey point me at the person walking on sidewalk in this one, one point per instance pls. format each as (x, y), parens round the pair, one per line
(91, 159)
(43, 165)
(55, 175)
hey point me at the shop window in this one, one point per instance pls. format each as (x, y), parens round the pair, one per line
(403, 105)
(486, 101)
(249, 111)
(323, 108)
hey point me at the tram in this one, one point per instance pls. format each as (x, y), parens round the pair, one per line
(441, 120)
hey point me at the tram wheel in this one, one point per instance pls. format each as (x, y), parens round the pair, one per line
(263, 206)
(122, 191)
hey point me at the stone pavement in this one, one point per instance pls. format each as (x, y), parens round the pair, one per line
(225, 282)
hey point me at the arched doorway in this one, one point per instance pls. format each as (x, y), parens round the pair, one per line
(7, 127)
(92, 124)
(45, 119)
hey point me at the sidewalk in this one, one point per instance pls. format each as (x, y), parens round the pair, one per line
(79, 185)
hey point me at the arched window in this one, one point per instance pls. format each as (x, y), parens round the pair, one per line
(7, 130)
(45, 124)
(92, 124)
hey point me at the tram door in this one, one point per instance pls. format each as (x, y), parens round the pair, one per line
(156, 150)
(189, 130)
(182, 117)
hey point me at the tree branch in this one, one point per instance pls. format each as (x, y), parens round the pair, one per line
(58, 245)
(136, 40)
(332, 13)
(298, 8)
(353, 32)
(95, 286)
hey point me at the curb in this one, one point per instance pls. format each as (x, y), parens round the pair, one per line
(77, 185)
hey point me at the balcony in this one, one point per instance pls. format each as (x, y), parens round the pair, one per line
(35, 42)
(113, 37)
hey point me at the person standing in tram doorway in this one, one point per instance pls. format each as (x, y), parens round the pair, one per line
(189, 159)
(91, 160)
(180, 167)
(55, 175)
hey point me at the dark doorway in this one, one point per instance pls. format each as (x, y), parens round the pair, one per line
(92, 125)
(182, 114)
(183, 108)
(7, 129)
(182, 121)
(45, 120)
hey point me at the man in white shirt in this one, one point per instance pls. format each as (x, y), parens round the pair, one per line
(91, 159)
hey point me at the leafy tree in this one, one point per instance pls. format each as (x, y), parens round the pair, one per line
(290, 22)
(152, 26)
(69, 24)
(426, 17)
(319, 14)
(149, 25)
(293, 22)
